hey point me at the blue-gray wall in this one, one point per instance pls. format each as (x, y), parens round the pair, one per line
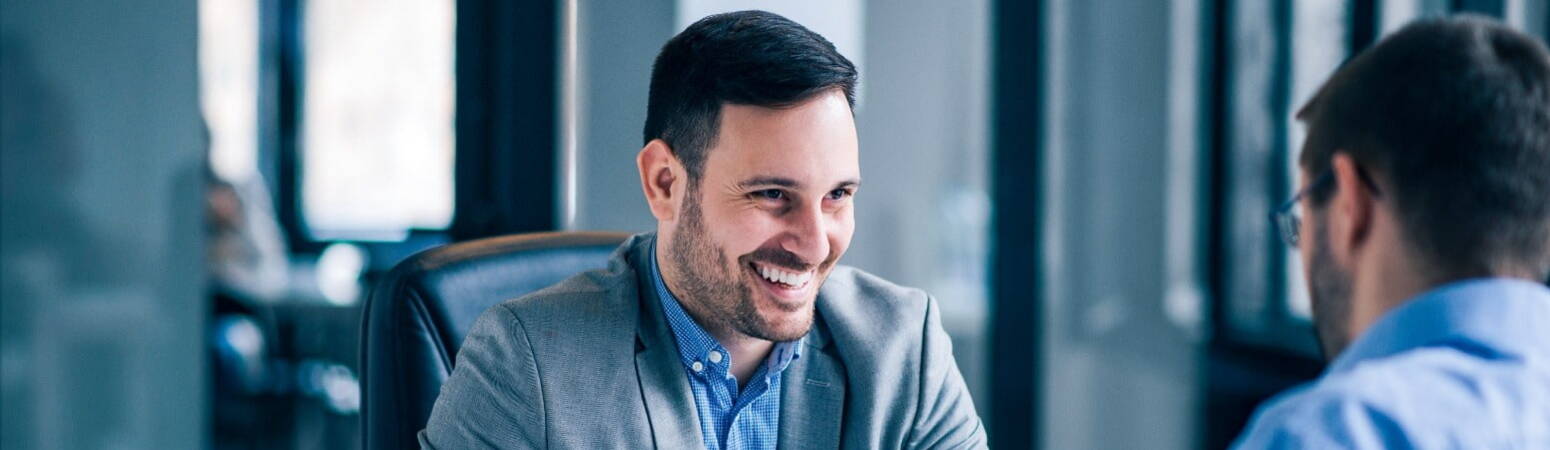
(1123, 306)
(100, 210)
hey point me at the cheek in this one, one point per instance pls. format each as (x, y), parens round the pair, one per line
(1308, 239)
(739, 231)
(842, 229)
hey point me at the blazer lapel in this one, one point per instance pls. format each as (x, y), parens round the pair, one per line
(664, 386)
(812, 396)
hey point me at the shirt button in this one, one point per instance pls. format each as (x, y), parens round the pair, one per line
(715, 356)
(697, 366)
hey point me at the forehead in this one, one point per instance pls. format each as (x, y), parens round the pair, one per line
(812, 142)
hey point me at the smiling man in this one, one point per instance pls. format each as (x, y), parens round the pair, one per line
(731, 326)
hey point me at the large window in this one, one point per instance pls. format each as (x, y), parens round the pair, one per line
(1276, 54)
(356, 97)
(376, 129)
(1271, 57)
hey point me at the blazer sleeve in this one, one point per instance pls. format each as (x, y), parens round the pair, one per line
(493, 398)
(946, 418)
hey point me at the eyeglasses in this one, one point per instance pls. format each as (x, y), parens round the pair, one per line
(1285, 218)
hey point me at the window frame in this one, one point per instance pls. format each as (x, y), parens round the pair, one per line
(505, 117)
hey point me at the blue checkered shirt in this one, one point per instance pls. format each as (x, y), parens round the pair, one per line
(729, 418)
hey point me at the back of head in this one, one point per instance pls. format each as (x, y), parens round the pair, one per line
(745, 58)
(1452, 117)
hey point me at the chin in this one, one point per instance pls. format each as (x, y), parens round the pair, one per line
(782, 326)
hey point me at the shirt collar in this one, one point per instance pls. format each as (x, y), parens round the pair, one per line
(695, 345)
(1494, 317)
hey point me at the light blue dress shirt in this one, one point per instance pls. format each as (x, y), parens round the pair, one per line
(1466, 365)
(730, 418)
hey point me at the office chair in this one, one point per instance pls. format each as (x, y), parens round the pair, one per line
(416, 317)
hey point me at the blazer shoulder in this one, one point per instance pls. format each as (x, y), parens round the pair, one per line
(587, 296)
(857, 305)
(593, 291)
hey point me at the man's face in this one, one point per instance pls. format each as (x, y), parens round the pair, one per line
(770, 216)
(1329, 285)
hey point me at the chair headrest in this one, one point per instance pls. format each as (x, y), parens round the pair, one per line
(455, 283)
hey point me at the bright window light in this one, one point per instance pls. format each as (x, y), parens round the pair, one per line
(376, 138)
(228, 74)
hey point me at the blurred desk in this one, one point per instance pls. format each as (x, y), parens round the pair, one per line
(321, 341)
(306, 394)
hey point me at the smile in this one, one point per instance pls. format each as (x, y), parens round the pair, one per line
(782, 277)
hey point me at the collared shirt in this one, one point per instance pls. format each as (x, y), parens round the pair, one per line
(730, 418)
(1466, 365)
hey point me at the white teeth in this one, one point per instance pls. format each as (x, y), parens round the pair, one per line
(801, 279)
(783, 277)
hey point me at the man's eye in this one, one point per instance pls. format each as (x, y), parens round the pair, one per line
(838, 194)
(770, 194)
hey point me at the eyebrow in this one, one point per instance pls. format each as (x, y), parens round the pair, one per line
(769, 181)
(787, 182)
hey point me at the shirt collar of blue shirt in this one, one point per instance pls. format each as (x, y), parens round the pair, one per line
(1497, 317)
(695, 344)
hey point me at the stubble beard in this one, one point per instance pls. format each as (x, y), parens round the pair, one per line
(1330, 292)
(725, 298)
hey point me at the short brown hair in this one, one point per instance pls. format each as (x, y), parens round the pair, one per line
(742, 58)
(1452, 117)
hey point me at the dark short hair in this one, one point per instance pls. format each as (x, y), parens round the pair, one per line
(743, 58)
(1452, 117)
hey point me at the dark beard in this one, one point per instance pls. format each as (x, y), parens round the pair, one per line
(1330, 292)
(701, 265)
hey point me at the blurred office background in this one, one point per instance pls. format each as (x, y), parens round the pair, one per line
(198, 194)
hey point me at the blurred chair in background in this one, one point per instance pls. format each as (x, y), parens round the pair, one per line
(416, 317)
(246, 261)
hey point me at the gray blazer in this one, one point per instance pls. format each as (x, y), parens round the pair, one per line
(591, 363)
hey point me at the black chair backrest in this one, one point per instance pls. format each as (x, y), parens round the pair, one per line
(417, 315)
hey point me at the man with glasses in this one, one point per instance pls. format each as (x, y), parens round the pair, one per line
(1425, 237)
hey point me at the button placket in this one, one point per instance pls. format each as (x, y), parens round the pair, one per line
(734, 434)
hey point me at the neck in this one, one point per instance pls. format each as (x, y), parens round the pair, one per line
(748, 353)
(1388, 278)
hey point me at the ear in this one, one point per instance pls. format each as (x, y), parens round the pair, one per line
(662, 179)
(1351, 210)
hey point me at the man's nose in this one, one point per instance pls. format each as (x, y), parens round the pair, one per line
(807, 236)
